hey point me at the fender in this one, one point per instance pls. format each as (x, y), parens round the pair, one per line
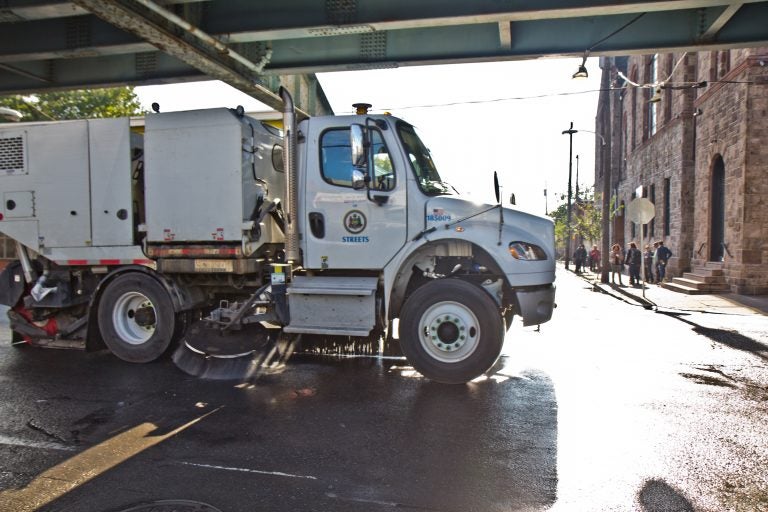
(479, 236)
(182, 298)
(435, 248)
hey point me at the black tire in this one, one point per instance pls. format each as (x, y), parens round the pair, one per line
(136, 339)
(451, 331)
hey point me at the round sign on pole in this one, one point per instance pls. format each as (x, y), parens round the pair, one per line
(641, 210)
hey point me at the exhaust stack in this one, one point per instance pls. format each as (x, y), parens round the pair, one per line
(291, 172)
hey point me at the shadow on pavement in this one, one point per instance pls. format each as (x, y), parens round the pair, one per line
(733, 339)
(659, 496)
(730, 338)
(645, 303)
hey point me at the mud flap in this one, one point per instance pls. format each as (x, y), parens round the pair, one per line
(12, 284)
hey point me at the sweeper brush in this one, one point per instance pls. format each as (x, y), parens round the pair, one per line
(210, 352)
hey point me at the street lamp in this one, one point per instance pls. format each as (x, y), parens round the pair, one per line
(570, 133)
(602, 139)
(605, 213)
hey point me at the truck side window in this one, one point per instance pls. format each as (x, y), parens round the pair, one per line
(336, 160)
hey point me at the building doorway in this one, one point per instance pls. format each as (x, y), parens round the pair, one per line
(717, 211)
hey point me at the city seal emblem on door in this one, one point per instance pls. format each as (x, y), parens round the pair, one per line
(354, 221)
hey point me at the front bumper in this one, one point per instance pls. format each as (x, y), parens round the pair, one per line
(536, 305)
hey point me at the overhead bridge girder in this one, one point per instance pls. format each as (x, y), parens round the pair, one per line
(91, 42)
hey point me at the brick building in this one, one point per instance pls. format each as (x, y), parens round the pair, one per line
(700, 154)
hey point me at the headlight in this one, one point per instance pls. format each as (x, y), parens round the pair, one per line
(527, 252)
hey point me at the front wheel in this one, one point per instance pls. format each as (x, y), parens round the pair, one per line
(451, 331)
(136, 318)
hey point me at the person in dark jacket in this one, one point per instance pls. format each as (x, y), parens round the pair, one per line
(633, 259)
(662, 256)
(580, 258)
(648, 261)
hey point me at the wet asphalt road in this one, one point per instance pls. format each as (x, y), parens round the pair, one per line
(608, 407)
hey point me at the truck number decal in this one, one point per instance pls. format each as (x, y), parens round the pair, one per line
(438, 215)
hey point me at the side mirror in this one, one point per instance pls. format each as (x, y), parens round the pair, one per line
(358, 179)
(358, 145)
(512, 199)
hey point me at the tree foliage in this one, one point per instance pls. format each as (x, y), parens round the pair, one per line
(80, 104)
(586, 216)
(588, 220)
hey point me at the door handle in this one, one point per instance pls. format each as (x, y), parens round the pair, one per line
(317, 224)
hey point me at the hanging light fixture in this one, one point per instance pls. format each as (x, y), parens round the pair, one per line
(656, 96)
(582, 71)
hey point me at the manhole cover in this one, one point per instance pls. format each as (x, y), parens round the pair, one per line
(171, 506)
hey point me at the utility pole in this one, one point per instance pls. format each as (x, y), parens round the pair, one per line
(606, 164)
(570, 133)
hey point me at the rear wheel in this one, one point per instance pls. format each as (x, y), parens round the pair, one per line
(136, 318)
(451, 331)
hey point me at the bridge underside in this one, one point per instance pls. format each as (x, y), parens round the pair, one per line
(50, 44)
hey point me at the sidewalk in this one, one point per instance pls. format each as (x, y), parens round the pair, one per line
(657, 297)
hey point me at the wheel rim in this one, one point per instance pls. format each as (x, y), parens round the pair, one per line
(449, 331)
(124, 318)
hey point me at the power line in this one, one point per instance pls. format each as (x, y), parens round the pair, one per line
(672, 85)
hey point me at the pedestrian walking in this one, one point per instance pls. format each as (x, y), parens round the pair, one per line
(579, 258)
(663, 254)
(594, 259)
(655, 263)
(648, 261)
(616, 262)
(633, 260)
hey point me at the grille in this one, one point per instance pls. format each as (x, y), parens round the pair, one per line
(145, 63)
(12, 155)
(341, 12)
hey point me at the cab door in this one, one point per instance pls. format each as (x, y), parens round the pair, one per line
(347, 228)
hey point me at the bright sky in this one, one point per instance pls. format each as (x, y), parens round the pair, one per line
(467, 116)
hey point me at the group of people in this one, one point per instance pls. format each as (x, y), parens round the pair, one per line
(582, 258)
(656, 260)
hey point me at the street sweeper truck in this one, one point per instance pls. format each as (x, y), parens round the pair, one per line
(224, 238)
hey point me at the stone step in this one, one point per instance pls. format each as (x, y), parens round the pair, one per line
(699, 285)
(714, 265)
(675, 287)
(710, 272)
(700, 276)
(690, 283)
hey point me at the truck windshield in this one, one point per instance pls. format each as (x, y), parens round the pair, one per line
(421, 162)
